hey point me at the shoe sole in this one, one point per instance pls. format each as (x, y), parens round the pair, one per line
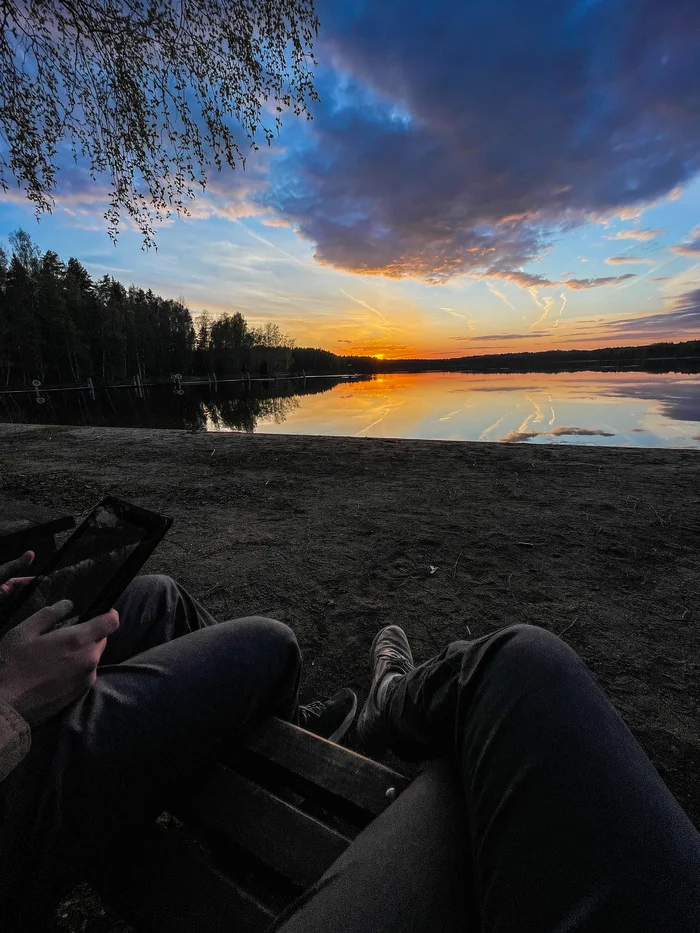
(344, 727)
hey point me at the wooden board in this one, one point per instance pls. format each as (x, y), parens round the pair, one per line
(340, 771)
(31, 537)
(296, 845)
(15, 516)
(33, 529)
(166, 884)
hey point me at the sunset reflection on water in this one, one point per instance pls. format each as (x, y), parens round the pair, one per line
(612, 409)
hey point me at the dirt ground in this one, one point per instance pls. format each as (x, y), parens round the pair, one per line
(339, 536)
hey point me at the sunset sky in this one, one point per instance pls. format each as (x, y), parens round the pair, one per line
(479, 176)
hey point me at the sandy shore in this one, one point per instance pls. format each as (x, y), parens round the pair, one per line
(338, 536)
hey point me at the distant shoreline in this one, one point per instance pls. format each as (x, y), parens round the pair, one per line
(687, 365)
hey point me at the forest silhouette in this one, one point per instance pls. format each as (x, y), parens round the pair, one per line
(61, 327)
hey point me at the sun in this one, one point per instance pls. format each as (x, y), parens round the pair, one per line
(379, 356)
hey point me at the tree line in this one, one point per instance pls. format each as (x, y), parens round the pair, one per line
(60, 326)
(663, 355)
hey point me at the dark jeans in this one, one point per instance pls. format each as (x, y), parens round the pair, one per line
(159, 708)
(546, 817)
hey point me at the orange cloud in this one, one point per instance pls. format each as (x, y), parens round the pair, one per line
(642, 234)
(625, 260)
(691, 247)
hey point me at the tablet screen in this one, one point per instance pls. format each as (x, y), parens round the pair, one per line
(86, 564)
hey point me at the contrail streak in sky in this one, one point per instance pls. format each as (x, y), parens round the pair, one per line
(495, 291)
(563, 305)
(364, 304)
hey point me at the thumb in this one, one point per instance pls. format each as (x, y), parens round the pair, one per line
(100, 627)
(45, 619)
(16, 568)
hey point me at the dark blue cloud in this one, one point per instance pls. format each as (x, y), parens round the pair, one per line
(682, 320)
(527, 280)
(456, 137)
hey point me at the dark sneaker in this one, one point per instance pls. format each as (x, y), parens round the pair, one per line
(390, 654)
(332, 718)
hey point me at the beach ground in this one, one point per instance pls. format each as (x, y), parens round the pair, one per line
(339, 536)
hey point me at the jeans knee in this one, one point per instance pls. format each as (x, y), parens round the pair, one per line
(151, 586)
(156, 582)
(517, 651)
(271, 635)
(527, 649)
(280, 635)
(531, 636)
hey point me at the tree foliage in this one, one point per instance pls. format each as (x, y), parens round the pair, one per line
(227, 346)
(147, 93)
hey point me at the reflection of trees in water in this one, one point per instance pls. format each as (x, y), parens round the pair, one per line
(244, 414)
(241, 408)
(228, 405)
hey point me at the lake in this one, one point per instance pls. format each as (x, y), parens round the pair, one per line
(633, 409)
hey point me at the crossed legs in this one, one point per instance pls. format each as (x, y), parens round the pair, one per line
(552, 818)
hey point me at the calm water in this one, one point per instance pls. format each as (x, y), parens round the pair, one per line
(620, 409)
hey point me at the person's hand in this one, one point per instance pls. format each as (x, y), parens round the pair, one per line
(43, 671)
(12, 577)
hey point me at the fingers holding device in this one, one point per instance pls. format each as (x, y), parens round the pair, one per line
(43, 669)
(91, 569)
(54, 626)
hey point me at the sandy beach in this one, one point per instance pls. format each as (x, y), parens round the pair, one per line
(339, 536)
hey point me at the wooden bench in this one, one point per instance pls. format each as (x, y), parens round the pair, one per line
(265, 825)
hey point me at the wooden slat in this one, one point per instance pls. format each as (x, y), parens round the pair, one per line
(340, 771)
(291, 842)
(37, 538)
(166, 884)
(15, 515)
(9, 531)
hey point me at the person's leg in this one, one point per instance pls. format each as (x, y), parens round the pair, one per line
(571, 826)
(566, 824)
(153, 610)
(107, 765)
(409, 871)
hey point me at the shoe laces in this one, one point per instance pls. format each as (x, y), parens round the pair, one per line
(313, 709)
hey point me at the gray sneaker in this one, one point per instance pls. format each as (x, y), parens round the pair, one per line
(332, 718)
(390, 654)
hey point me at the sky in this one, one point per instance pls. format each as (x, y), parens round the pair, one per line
(478, 177)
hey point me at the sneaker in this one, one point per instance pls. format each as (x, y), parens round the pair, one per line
(332, 718)
(389, 655)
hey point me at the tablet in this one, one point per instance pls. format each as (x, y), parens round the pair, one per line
(96, 564)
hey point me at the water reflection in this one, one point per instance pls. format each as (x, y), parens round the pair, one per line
(679, 399)
(224, 406)
(621, 409)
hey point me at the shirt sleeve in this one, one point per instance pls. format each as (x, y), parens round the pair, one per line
(15, 739)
